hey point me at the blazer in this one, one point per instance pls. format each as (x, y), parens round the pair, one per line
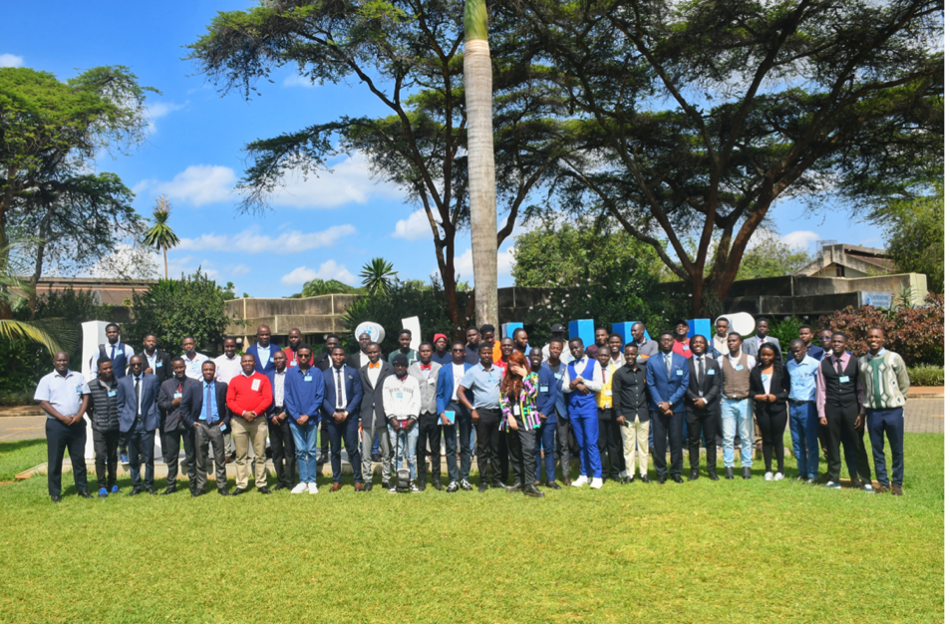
(322, 362)
(352, 387)
(353, 360)
(663, 389)
(548, 390)
(711, 385)
(373, 396)
(267, 369)
(161, 356)
(166, 395)
(192, 402)
(779, 388)
(444, 386)
(750, 346)
(128, 407)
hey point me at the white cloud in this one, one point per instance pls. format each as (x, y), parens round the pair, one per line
(350, 181)
(154, 111)
(10, 61)
(800, 239)
(251, 241)
(239, 270)
(196, 185)
(329, 270)
(415, 227)
(465, 270)
(296, 80)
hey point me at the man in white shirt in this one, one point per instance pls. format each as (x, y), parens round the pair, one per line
(736, 405)
(580, 386)
(228, 364)
(118, 352)
(193, 359)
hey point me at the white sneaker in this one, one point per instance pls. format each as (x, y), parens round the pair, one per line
(768, 476)
(312, 488)
(392, 488)
(778, 476)
(580, 482)
(597, 483)
(299, 489)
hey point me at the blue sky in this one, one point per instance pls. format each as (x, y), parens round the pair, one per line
(324, 227)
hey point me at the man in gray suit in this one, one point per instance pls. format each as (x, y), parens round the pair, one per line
(372, 416)
(138, 419)
(645, 348)
(751, 345)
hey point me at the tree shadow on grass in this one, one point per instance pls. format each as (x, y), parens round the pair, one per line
(6, 447)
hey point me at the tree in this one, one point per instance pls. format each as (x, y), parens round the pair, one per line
(173, 309)
(160, 235)
(699, 115)
(50, 133)
(481, 168)
(378, 277)
(405, 54)
(317, 287)
(770, 257)
(915, 233)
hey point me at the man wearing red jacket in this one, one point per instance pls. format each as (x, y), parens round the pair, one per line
(249, 397)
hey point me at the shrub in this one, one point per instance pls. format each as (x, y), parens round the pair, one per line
(925, 376)
(785, 330)
(914, 333)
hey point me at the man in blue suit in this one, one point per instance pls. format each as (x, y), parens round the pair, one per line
(263, 352)
(138, 419)
(667, 383)
(206, 407)
(446, 399)
(342, 395)
(548, 392)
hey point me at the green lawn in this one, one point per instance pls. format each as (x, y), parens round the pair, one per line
(19, 456)
(736, 551)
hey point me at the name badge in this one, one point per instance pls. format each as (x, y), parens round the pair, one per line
(710, 372)
(306, 378)
(256, 385)
(111, 393)
(177, 395)
(398, 394)
(764, 377)
(544, 388)
(844, 379)
(740, 367)
(609, 393)
(679, 372)
(223, 427)
(516, 411)
(158, 364)
(293, 363)
(79, 388)
(119, 352)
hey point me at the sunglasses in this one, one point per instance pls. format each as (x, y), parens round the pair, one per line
(826, 338)
(455, 349)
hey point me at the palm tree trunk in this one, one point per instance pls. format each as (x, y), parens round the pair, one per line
(481, 161)
(165, 251)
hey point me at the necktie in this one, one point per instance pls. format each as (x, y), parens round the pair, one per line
(699, 376)
(839, 366)
(208, 402)
(668, 359)
(138, 396)
(112, 353)
(339, 390)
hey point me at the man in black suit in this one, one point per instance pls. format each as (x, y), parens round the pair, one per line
(157, 362)
(343, 395)
(207, 410)
(138, 418)
(322, 362)
(372, 415)
(172, 394)
(702, 406)
(360, 358)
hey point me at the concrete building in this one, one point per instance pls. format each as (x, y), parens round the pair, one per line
(851, 261)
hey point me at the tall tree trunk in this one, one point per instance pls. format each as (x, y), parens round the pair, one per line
(165, 251)
(481, 162)
(38, 269)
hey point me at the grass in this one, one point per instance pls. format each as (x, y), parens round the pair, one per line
(18, 456)
(727, 552)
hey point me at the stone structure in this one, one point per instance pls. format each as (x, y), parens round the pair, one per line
(851, 261)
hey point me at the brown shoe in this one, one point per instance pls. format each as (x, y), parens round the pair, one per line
(881, 489)
(897, 490)
(336, 487)
(358, 486)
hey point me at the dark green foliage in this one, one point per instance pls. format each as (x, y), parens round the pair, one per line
(925, 375)
(403, 300)
(771, 258)
(317, 287)
(785, 330)
(173, 309)
(915, 233)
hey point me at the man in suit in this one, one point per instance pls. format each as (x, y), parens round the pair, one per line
(645, 347)
(456, 428)
(158, 361)
(343, 395)
(172, 394)
(263, 351)
(751, 345)
(360, 358)
(283, 450)
(206, 407)
(138, 419)
(702, 406)
(322, 362)
(426, 371)
(372, 415)
(667, 382)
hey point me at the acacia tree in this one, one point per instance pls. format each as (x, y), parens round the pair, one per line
(407, 55)
(699, 115)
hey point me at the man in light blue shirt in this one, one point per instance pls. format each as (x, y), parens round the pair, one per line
(802, 412)
(484, 381)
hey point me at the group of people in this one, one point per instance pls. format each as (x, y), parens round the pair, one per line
(510, 404)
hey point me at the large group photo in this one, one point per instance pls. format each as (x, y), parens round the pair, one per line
(678, 356)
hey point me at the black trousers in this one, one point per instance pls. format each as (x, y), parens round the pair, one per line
(171, 446)
(841, 428)
(504, 457)
(204, 435)
(702, 423)
(610, 443)
(772, 426)
(324, 442)
(141, 448)
(487, 443)
(283, 452)
(521, 448)
(59, 436)
(565, 445)
(106, 444)
(430, 434)
(664, 426)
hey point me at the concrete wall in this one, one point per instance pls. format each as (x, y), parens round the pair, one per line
(312, 315)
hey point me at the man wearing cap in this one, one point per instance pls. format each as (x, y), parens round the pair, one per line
(558, 332)
(441, 355)
(681, 340)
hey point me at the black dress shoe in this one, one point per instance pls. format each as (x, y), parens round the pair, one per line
(499, 485)
(532, 491)
(517, 487)
(85, 494)
(56, 498)
(264, 490)
(368, 486)
(437, 485)
(482, 488)
(135, 491)
(677, 479)
(195, 494)
(375, 458)
(661, 479)
(713, 475)
(728, 473)
(238, 492)
(693, 474)
(223, 492)
(151, 490)
(552, 485)
(421, 486)
(617, 479)
(747, 473)
(322, 460)
(168, 491)
(645, 478)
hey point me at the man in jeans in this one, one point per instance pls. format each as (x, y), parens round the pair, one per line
(802, 412)
(736, 405)
(456, 428)
(303, 397)
(484, 382)
(402, 403)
